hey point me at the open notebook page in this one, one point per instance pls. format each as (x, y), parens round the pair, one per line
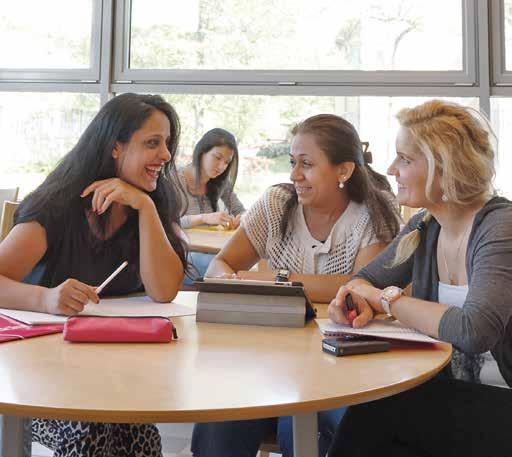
(124, 306)
(379, 328)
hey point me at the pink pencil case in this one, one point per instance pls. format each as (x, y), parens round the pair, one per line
(102, 329)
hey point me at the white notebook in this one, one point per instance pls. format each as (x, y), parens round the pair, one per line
(383, 329)
(125, 306)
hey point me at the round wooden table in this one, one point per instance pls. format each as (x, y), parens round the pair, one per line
(213, 372)
(209, 240)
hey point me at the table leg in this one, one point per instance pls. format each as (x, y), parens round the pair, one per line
(16, 437)
(27, 437)
(305, 435)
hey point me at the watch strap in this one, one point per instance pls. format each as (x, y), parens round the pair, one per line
(283, 275)
(385, 306)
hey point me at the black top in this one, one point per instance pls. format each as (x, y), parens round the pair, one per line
(75, 252)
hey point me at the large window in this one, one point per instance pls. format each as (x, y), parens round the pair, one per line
(50, 40)
(296, 35)
(49, 43)
(508, 33)
(502, 121)
(36, 130)
(296, 41)
(252, 67)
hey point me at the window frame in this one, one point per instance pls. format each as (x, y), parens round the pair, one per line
(296, 78)
(43, 75)
(501, 76)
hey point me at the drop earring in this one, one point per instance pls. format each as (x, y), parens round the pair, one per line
(444, 198)
(341, 185)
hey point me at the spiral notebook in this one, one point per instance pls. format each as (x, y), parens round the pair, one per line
(393, 330)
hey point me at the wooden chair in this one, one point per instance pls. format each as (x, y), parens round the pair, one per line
(269, 446)
(8, 194)
(7, 219)
(8, 206)
(262, 265)
(408, 212)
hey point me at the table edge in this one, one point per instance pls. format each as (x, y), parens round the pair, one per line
(218, 415)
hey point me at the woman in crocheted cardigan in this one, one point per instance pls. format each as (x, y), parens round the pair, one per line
(335, 218)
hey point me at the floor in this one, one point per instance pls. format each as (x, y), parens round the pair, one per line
(175, 442)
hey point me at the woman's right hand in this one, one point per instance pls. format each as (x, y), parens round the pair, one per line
(218, 218)
(226, 276)
(68, 298)
(235, 222)
(339, 313)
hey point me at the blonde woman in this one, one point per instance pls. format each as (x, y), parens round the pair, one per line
(458, 255)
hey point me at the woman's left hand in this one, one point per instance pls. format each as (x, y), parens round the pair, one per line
(108, 191)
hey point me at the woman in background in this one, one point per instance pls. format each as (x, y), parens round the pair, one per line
(458, 255)
(107, 201)
(208, 183)
(334, 219)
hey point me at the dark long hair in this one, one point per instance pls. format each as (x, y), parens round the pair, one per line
(340, 142)
(212, 138)
(91, 160)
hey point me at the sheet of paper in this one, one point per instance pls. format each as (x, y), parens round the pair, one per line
(124, 306)
(380, 328)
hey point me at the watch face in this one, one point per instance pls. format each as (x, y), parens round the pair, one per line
(282, 275)
(391, 293)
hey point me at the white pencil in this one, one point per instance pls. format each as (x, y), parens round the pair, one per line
(111, 277)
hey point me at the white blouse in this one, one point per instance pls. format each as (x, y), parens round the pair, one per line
(299, 251)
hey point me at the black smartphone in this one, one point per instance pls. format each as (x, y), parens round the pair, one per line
(353, 344)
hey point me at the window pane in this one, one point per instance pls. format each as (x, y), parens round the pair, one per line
(37, 130)
(501, 117)
(262, 124)
(50, 34)
(297, 34)
(508, 34)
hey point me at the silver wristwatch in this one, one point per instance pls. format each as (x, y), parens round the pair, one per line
(283, 275)
(389, 295)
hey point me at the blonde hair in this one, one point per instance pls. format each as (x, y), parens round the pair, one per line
(458, 144)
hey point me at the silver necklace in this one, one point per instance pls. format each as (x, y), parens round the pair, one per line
(451, 277)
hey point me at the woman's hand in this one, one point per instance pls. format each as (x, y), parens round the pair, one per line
(68, 298)
(108, 191)
(226, 276)
(218, 218)
(339, 313)
(235, 222)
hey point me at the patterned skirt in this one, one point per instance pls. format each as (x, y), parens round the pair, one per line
(93, 439)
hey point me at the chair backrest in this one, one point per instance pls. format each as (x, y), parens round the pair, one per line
(408, 212)
(7, 219)
(8, 194)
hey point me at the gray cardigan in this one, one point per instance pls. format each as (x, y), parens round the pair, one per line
(483, 323)
(200, 204)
